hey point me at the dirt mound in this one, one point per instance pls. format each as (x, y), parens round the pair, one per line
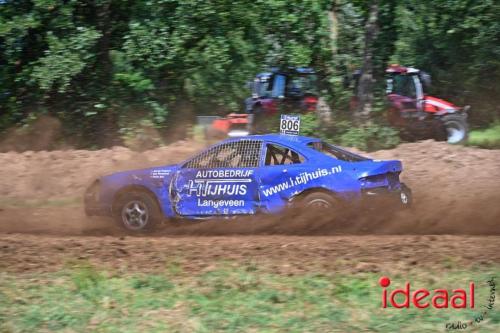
(456, 190)
(63, 174)
(41, 134)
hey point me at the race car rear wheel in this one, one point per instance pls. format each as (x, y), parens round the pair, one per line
(318, 201)
(137, 211)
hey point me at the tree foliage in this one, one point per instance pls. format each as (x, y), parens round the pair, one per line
(101, 65)
(459, 43)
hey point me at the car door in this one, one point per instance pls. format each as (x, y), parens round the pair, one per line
(280, 176)
(219, 181)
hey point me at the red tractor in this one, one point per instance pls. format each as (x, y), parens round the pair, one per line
(294, 90)
(281, 90)
(232, 125)
(420, 116)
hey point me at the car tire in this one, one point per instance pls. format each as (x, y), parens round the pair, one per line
(137, 211)
(406, 136)
(318, 202)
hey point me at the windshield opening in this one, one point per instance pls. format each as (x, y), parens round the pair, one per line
(403, 85)
(300, 85)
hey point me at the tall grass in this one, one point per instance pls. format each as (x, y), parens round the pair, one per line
(486, 138)
(227, 298)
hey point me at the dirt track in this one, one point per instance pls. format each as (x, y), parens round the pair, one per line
(456, 191)
(282, 254)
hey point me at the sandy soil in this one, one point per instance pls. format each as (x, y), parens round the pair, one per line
(282, 254)
(44, 175)
(456, 192)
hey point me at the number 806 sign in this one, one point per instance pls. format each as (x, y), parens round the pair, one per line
(289, 124)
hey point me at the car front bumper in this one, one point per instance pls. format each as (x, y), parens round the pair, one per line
(91, 201)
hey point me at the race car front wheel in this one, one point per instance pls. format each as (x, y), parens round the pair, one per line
(137, 211)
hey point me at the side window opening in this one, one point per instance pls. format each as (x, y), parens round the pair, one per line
(336, 152)
(238, 154)
(319, 146)
(278, 89)
(279, 155)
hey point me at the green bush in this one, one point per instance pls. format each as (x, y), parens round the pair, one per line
(309, 124)
(486, 138)
(344, 132)
(370, 137)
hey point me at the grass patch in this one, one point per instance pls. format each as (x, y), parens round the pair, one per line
(487, 138)
(84, 298)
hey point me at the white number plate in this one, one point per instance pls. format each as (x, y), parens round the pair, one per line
(289, 124)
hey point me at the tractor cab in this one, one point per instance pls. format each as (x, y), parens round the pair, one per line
(405, 86)
(291, 90)
(406, 92)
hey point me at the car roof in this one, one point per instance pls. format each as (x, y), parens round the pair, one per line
(278, 138)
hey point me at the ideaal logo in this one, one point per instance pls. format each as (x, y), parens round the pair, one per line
(422, 298)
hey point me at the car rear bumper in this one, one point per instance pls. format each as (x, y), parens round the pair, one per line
(398, 197)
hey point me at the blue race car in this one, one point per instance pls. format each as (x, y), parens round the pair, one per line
(247, 175)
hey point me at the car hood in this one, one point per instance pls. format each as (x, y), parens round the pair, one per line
(142, 175)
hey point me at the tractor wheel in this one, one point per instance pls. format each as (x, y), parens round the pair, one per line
(455, 128)
(405, 135)
(137, 211)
